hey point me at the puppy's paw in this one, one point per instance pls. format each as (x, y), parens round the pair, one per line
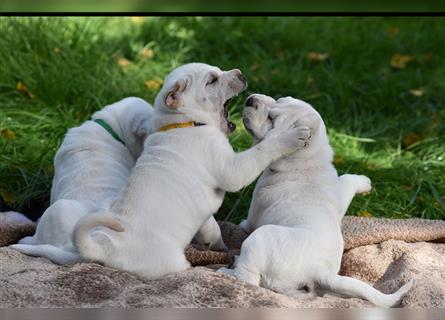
(363, 184)
(293, 139)
(227, 272)
(219, 246)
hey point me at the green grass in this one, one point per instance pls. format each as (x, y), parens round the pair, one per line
(69, 65)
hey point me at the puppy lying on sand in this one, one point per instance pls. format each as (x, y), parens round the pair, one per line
(91, 167)
(180, 179)
(296, 212)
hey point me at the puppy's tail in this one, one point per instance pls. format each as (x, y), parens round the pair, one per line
(95, 248)
(355, 288)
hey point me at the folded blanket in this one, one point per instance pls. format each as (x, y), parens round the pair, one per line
(13, 227)
(357, 231)
(373, 256)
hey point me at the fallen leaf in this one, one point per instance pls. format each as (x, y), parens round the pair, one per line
(365, 214)
(420, 199)
(416, 92)
(123, 62)
(393, 31)
(79, 115)
(410, 139)
(7, 196)
(399, 61)
(317, 56)
(8, 134)
(428, 57)
(146, 53)
(138, 20)
(338, 159)
(370, 166)
(153, 84)
(255, 66)
(280, 54)
(24, 90)
(406, 187)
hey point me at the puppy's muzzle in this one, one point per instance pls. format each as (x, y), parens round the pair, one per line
(242, 78)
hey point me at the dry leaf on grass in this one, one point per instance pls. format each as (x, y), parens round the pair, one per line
(8, 134)
(138, 20)
(410, 139)
(153, 84)
(416, 92)
(255, 66)
(24, 90)
(146, 53)
(6, 196)
(280, 54)
(365, 214)
(317, 56)
(428, 57)
(123, 62)
(393, 31)
(399, 61)
(338, 159)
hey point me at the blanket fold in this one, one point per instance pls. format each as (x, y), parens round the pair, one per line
(386, 253)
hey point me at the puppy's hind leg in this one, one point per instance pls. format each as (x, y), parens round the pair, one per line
(355, 288)
(209, 235)
(248, 276)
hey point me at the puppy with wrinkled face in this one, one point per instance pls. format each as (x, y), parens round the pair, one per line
(91, 167)
(179, 180)
(299, 201)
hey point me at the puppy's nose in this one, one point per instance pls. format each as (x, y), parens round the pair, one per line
(250, 101)
(242, 78)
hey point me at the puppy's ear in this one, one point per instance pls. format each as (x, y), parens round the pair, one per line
(311, 120)
(173, 97)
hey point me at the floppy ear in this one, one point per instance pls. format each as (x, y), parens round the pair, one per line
(312, 121)
(173, 97)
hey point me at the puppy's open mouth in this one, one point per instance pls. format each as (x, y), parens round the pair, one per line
(230, 125)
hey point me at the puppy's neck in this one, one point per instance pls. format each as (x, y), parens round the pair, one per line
(132, 125)
(162, 120)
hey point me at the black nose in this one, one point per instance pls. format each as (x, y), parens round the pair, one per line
(249, 102)
(242, 78)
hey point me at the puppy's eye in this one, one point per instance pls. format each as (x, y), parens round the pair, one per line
(213, 79)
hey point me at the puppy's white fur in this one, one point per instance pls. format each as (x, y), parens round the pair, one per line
(296, 211)
(91, 168)
(180, 179)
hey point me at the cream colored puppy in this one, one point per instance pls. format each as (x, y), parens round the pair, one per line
(179, 180)
(296, 211)
(91, 168)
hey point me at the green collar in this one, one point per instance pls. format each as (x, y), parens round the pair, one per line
(109, 129)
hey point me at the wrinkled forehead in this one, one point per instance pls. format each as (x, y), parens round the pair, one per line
(192, 70)
(292, 105)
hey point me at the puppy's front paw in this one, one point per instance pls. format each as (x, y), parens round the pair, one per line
(294, 139)
(226, 271)
(363, 184)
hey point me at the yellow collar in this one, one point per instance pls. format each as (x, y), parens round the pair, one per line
(180, 125)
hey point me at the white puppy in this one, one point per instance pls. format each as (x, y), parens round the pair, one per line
(180, 179)
(296, 212)
(91, 167)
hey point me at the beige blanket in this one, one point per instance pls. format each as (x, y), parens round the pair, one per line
(372, 255)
